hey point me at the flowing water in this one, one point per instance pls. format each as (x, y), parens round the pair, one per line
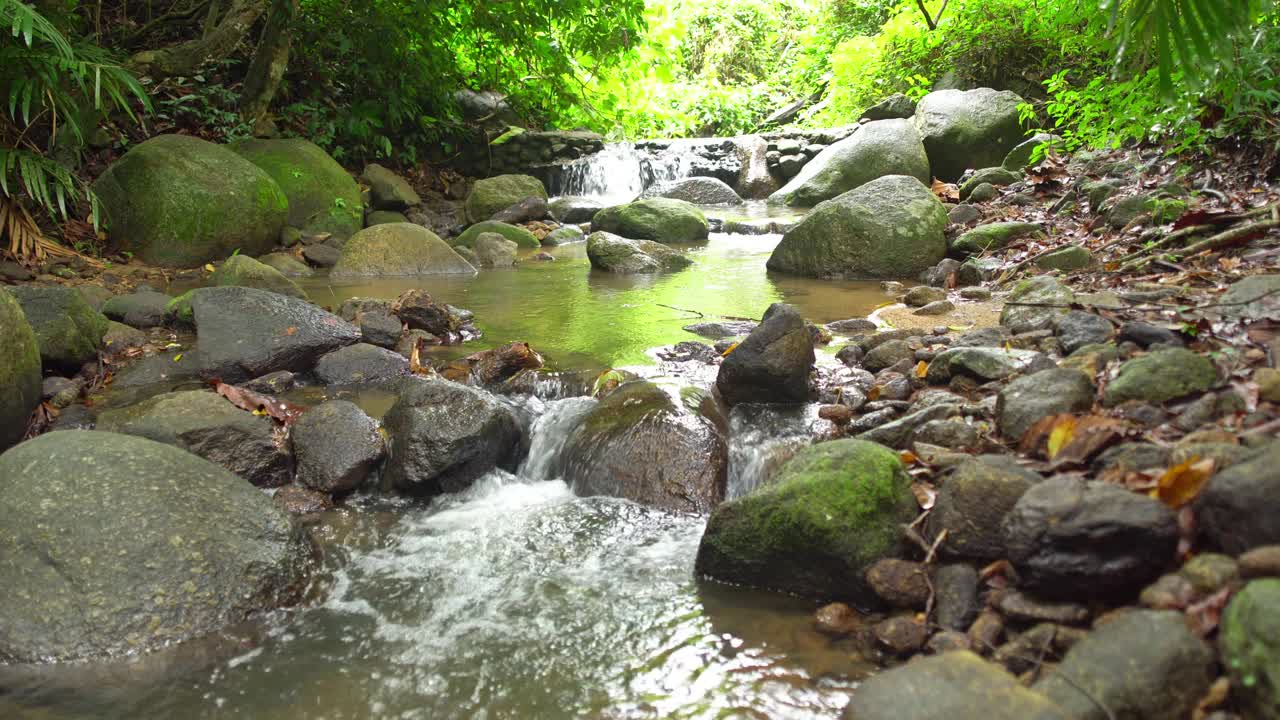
(620, 172)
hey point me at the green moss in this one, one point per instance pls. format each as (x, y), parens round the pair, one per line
(19, 371)
(658, 219)
(1250, 643)
(179, 309)
(514, 233)
(320, 195)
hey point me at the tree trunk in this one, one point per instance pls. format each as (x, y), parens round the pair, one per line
(269, 63)
(218, 43)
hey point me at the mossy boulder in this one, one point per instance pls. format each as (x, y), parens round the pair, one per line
(995, 177)
(964, 129)
(832, 511)
(1036, 304)
(244, 271)
(516, 234)
(615, 254)
(382, 217)
(19, 371)
(1020, 157)
(116, 544)
(178, 201)
(287, 264)
(1067, 259)
(1166, 374)
(492, 195)
(67, 330)
(883, 147)
(398, 249)
(388, 190)
(323, 198)
(1250, 645)
(890, 227)
(658, 219)
(992, 236)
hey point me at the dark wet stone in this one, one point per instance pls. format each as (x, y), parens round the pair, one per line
(722, 328)
(1239, 509)
(273, 383)
(1019, 606)
(850, 355)
(337, 446)
(955, 596)
(380, 328)
(322, 255)
(1024, 652)
(837, 620)
(360, 363)
(1145, 335)
(987, 631)
(297, 500)
(772, 365)
(897, 434)
(852, 326)
(1131, 457)
(900, 583)
(1077, 329)
(1031, 398)
(985, 364)
(139, 310)
(901, 635)
(972, 504)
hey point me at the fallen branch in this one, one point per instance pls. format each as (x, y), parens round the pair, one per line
(1240, 233)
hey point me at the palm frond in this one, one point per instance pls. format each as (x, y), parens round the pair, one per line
(1187, 37)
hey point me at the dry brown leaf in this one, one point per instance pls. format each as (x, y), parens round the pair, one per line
(1181, 483)
(922, 369)
(282, 410)
(945, 191)
(1070, 440)
(926, 495)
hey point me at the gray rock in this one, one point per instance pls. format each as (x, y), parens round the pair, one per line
(968, 129)
(443, 436)
(985, 364)
(852, 326)
(68, 331)
(130, 545)
(495, 251)
(564, 235)
(1076, 539)
(574, 209)
(956, 595)
(993, 337)
(994, 176)
(244, 271)
(992, 236)
(1025, 401)
(1166, 374)
(887, 355)
(1020, 157)
(616, 254)
(937, 307)
(950, 434)
(380, 328)
(897, 434)
(1066, 259)
(1250, 642)
(983, 192)
(207, 425)
(938, 275)
(490, 196)
(244, 332)
(922, 295)
(383, 217)
(1240, 507)
(696, 190)
(1020, 607)
(893, 107)
(337, 446)
(660, 220)
(1252, 298)
(721, 329)
(772, 365)
(390, 191)
(286, 264)
(360, 363)
(963, 214)
(972, 503)
(1036, 304)
(1144, 664)
(530, 208)
(1145, 335)
(1077, 329)
(139, 310)
(322, 255)
(876, 149)
(397, 250)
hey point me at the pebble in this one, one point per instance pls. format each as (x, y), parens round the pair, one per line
(1018, 606)
(947, 641)
(1210, 572)
(1169, 592)
(986, 632)
(297, 500)
(1260, 562)
(1026, 651)
(900, 583)
(901, 635)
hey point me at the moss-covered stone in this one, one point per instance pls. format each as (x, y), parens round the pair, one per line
(490, 195)
(287, 264)
(382, 217)
(178, 201)
(1250, 645)
(67, 330)
(992, 236)
(323, 198)
(891, 227)
(994, 176)
(387, 190)
(398, 249)
(658, 219)
(179, 309)
(19, 371)
(1165, 374)
(246, 272)
(1036, 304)
(1020, 157)
(612, 253)
(1067, 259)
(516, 234)
(885, 147)
(833, 510)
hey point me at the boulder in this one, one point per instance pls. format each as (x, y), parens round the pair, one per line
(1165, 374)
(244, 333)
(1036, 304)
(1074, 539)
(964, 129)
(1025, 401)
(516, 234)
(178, 201)
(19, 371)
(613, 253)
(696, 190)
(571, 209)
(337, 446)
(443, 436)
(890, 227)
(323, 198)
(530, 208)
(831, 512)
(772, 364)
(1250, 643)
(1144, 664)
(564, 235)
(389, 191)
(244, 271)
(985, 364)
(360, 363)
(143, 309)
(384, 217)
(972, 503)
(491, 195)
(956, 685)
(398, 249)
(992, 236)
(68, 331)
(493, 250)
(1020, 157)
(893, 107)
(877, 149)
(640, 444)
(206, 424)
(286, 264)
(1066, 259)
(658, 219)
(1240, 507)
(128, 544)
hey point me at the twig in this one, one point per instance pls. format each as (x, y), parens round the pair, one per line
(1234, 235)
(673, 307)
(933, 549)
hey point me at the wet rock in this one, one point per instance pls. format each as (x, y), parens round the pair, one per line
(1162, 375)
(722, 328)
(900, 583)
(831, 512)
(901, 635)
(772, 365)
(877, 149)
(397, 250)
(613, 253)
(298, 500)
(494, 366)
(987, 631)
(641, 445)
(443, 436)
(972, 504)
(938, 275)
(337, 446)
(1078, 329)
(922, 295)
(696, 190)
(984, 364)
(889, 227)
(68, 331)
(530, 208)
(122, 337)
(322, 255)
(1025, 401)
(955, 685)
(1169, 592)
(245, 332)
(897, 434)
(564, 235)
(19, 371)
(1249, 641)
(689, 351)
(1076, 539)
(894, 106)
(360, 363)
(139, 310)
(1036, 304)
(273, 383)
(1144, 664)
(244, 271)
(489, 196)
(207, 425)
(940, 307)
(380, 328)
(69, 497)
(887, 355)
(1018, 606)
(1261, 561)
(389, 190)
(659, 220)
(571, 209)
(1066, 259)
(1239, 509)
(419, 311)
(956, 596)
(495, 251)
(837, 620)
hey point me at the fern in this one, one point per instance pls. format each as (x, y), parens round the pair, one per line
(1187, 37)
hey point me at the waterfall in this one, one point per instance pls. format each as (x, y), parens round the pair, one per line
(621, 171)
(761, 439)
(550, 431)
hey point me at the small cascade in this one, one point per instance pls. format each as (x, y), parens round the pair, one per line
(761, 439)
(621, 172)
(551, 430)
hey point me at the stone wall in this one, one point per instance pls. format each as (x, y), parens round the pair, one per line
(527, 150)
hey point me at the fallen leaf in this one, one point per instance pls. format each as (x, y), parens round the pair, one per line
(922, 369)
(926, 495)
(1063, 432)
(729, 349)
(1181, 483)
(209, 267)
(1204, 616)
(1070, 440)
(945, 191)
(291, 330)
(257, 403)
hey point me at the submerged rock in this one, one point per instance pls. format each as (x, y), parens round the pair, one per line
(640, 444)
(19, 371)
(658, 219)
(398, 249)
(876, 149)
(130, 544)
(772, 365)
(831, 512)
(613, 253)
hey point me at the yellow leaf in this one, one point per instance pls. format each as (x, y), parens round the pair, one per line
(209, 267)
(1063, 431)
(730, 349)
(1181, 483)
(922, 369)
(177, 357)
